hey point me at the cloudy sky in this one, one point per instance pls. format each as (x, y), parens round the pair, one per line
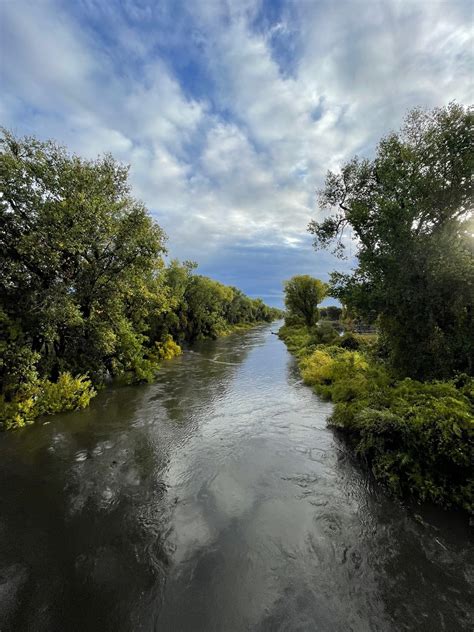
(230, 112)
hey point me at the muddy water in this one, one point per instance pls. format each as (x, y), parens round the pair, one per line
(215, 499)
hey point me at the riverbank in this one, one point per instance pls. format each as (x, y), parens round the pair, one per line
(214, 499)
(43, 397)
(416, 438)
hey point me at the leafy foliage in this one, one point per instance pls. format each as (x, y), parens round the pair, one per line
(410, 212)
(84, 288)
(80, 263)
(324, 333)
(43, 397)
(168, 349)
(204, 308)
(418, 438)
(303, 293)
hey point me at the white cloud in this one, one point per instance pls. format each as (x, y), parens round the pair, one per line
(241, 161)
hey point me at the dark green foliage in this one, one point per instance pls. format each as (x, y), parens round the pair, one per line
(84, 289)
(79, 267)
(324, 333)
(417, 437)
(332, 312)
(203, 308)
(350, 342)
(410, 210)
(291, 320)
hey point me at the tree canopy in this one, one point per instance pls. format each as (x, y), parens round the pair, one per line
(410, 213)
(84, 286)
(303, 294)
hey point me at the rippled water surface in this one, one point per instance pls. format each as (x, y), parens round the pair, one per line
(215, 500)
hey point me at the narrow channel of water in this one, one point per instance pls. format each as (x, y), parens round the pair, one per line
(216, 499)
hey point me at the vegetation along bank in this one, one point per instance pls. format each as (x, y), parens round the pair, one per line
(86, 295)
(403, 398)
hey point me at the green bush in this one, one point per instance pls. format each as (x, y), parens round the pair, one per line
(422, 442)
(324, 333)
(168, 348)
(417, 438)
(44, 397)
(350, 341)
(296, 338)
(291, 320)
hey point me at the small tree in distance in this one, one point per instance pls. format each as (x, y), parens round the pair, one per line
(303, 293)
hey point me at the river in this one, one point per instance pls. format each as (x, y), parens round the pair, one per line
(216, 499)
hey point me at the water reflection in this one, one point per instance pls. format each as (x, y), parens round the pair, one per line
(215, 499)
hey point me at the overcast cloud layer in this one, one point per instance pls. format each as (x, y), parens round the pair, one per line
(230, 113)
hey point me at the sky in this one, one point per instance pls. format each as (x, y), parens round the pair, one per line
(230, 113)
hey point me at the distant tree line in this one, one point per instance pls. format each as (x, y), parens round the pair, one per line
(84, 286)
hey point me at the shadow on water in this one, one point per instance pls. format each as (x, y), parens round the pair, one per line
(216, 499)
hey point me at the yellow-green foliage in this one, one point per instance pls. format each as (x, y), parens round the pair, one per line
(44, 397)
(168, 349)
(342, 375)
(324, 367)
(417, 438)
(297, 338)
(68, 393)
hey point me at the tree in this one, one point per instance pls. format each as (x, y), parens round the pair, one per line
(410, 212)
(207, 301)
(303, 293)
(80, 265)
(83, 285)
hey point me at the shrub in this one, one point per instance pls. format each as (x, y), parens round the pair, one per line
(18, 412)
(325, 367)
(142, 370)
(168, 348)
(324, 333)
(350, 342)
(44, 397)
(297, 339)
(317, 368)
(293, 321)
(421, 443)
(68, 393)
(417, 438)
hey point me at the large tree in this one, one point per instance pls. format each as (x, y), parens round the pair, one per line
(303, 294)
(409, 211)
(79, 265)
(83, 286)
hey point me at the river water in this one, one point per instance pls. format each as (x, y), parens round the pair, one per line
(216, 499)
